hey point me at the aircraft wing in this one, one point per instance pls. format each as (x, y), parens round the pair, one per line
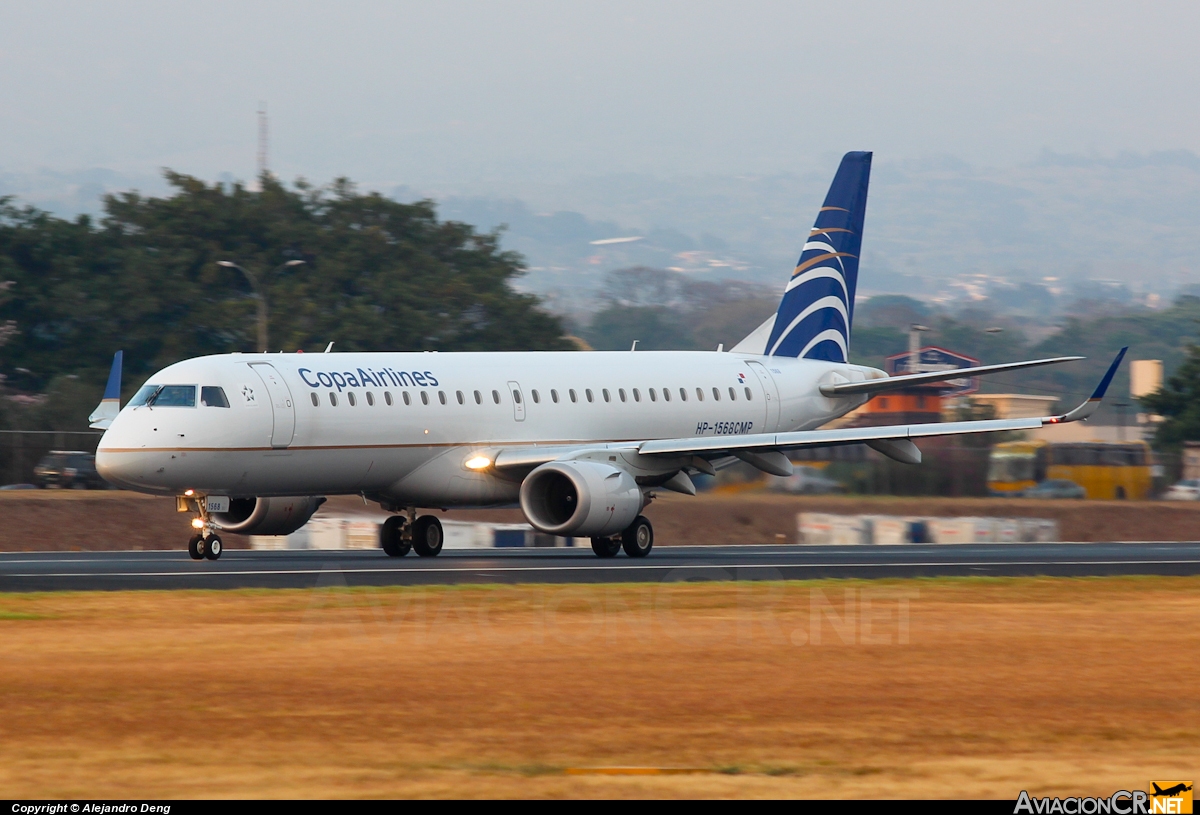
(757, 448)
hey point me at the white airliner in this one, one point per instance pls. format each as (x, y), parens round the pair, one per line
(253, 442)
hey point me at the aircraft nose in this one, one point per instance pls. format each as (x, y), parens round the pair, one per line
(121, 469)
(107, 466)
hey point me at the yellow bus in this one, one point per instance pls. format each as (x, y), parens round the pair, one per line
(1104, 470)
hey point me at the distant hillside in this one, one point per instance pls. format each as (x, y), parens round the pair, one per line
(936, 229)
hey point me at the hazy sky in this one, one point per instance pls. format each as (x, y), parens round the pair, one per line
(461, 92)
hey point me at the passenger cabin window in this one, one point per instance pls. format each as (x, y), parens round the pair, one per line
(732, 394)
(517, 396)
(621, 392)
(316, 400)
(537, 399)
(387, 397)
(461, 399)
(370, 399)
(717, 394)
(478, 398)
(496, 397)
(554, 396)
(653, 395)
(350, 398)
(749, 395)
(637, 395)
(333, 398)
(174, 396)
(573, 395)
(407, 400)
(588, 392)
(699, 395)
(213, 396)
(424, 397)
(666, 394)
(682, 395)
(442, 397)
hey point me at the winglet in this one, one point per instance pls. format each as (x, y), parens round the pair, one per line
(1093, 402)
(110, 405)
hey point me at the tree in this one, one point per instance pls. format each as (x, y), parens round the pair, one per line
(1178, 401)
(378, 276)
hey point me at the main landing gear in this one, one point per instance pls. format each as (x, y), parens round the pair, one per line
(637, 540)
(423, 535)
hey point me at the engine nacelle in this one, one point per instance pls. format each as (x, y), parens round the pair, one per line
(584, 498)
(267, 516)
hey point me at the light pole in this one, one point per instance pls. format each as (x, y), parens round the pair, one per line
(258, 286)
(914, 347)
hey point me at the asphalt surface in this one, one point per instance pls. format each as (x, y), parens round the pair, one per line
(53, 571)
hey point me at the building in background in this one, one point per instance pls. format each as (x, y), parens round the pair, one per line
(1017, 405)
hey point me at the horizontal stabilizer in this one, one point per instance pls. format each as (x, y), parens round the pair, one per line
(892, 383)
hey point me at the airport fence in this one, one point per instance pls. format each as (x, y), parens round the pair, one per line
(21, 450)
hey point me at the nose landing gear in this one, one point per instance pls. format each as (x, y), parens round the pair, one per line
(205, 544)
(201, 547)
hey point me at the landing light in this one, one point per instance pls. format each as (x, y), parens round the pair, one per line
(189, 493)
(478, 463)
(197, 523)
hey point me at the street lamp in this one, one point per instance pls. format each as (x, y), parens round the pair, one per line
(258, 286)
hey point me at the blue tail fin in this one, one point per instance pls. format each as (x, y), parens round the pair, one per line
(110, 404)
(817, 309)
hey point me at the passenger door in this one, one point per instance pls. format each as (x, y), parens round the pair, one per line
(518, 398)
(282, 410)
(770, 396)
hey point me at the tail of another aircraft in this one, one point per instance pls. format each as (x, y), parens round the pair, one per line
(814, 317)
(110, 404)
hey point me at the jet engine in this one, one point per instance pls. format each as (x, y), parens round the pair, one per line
(585, 498)
(267, 516)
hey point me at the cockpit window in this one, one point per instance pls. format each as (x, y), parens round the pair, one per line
(213, 396)
(174, 396)
(144, 393)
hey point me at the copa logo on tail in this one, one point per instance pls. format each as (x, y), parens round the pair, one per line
(817, 309)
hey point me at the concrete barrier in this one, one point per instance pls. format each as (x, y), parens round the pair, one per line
(893, 530)
(820, 528)
(814, 528)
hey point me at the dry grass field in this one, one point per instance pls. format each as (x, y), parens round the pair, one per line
(942, 688)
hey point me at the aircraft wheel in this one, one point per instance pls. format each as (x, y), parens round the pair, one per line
(427, 536)
(638, 539)
(194, 547)
(391, 537)
(213, 547)
(606, 547)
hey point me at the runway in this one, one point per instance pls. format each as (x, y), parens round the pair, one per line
(57, 571)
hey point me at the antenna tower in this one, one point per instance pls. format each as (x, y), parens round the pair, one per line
(262, 138)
